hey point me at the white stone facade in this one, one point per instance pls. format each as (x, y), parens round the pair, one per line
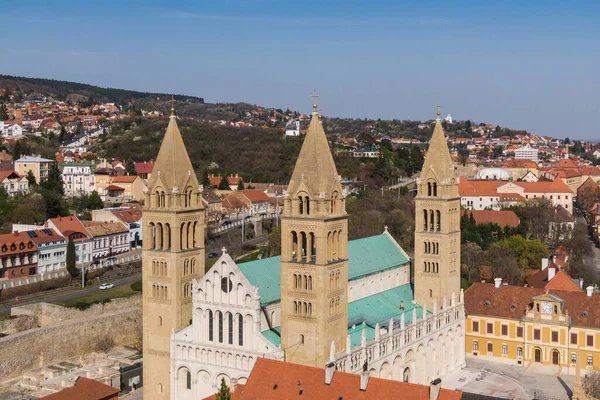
(78, 179)
(527, 153)
(205, 352)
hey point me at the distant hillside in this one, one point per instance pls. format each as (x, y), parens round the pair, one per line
(62, 90)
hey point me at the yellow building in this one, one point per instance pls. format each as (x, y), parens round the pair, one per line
(542, 330)
(173, 255)
(132, 185)
(37, 165)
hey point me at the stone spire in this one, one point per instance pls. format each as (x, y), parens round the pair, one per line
(173, 167)
(438, 157)
(315, 164)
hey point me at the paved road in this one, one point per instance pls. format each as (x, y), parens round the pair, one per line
(62, 294)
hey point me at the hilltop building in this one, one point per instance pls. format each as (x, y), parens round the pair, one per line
(527, 153)
(325, 300)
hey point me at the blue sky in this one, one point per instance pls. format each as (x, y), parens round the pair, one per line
(524, 64)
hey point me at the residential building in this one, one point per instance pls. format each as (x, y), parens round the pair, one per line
(561, 224)
(72, 228)
(527, 153)
(14, 183)
(130, 215)
(275, 380)
(18, 254)
(292, 128)
(493, 174)
(78, 178)
(480, 195)
(133, 186)
(85, 389)
(213, 206)
(109, 238)
(366, 151)
(144, 169)
(545, 330)
(103, 176)
(324, 300)
(232, 180)
(172, 257)
(249, 201)
(52, 249)
(37, 165)
(10, 129)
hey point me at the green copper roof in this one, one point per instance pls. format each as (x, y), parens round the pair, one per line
(365, 257)
(364, 314)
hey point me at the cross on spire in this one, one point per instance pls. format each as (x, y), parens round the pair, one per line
(172, 105)
(438, 111)
(315, 95)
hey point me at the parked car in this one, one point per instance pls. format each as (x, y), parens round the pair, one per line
(213, 255)
(97, 262)
(226, 223)
(105, 286)
(111, 258)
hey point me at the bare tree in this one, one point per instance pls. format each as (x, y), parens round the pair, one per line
(104, 342)
(591, 384)
(472, 257)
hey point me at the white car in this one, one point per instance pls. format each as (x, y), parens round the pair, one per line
(106, 286)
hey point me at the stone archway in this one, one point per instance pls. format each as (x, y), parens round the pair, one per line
(407, 375)
(385, 371)
(397, 368)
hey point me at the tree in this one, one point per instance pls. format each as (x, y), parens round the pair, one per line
(94, 202)
(21, 149)
(416, 159)
(71, 257)
(130, 167)
(472, 257)
(224, 184)
(30, 179)
(503, 264)
(591, 384)
(223, 393)
(274, 245)
(54, 182)
(579, 245)
(62, 135)
(3, 112)
(240, 185)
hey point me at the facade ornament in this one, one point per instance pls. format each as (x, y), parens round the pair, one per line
(453, 300)
(391, 326)
(402, 321)
(414, 316)
(175, 190)
(377, 331)
(418, 180)
(224, 250)
(302, 176)
(200, 188)
(145, 189)
(158, 173)
(444, 305)
(462, 295)
(445, 181)
(189, 172)
(385, 229)
(424, 311)
(345, 192)
(339, 178)
(322, 195)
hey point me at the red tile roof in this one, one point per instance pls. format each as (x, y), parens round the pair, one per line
(114, 188)
(519, 164)
(13, 241)
(502, 218)
(9, 174)
(47, 235)
(485, 299)
(69, 225)
(276, 380)
(104, 228)
(128, 216)
(255, 195)
(562, 281)
(144, 167)
(124, 179)
(85, 389)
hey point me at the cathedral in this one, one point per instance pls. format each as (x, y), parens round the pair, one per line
(325, 301)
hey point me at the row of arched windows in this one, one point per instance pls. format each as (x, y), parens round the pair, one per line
(334, 279)
(303, 308)
(333, 245)
(218, 316)
(159, 268)
(303, 246)
(431, 248)
(303, 205)
(432, 189)
(160, 236)
(159, 291)
(431, 267)
(160, 199)
(187, 290)
(334, 306)
(187, 235)
(189, 266)
(302, 281)
(432, 220)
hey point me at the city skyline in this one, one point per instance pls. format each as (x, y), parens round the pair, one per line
(522, 66)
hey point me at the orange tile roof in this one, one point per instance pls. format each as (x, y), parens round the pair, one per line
(70, 225)
(124, 179)
(104, 228)
(85, 389)
(9, 174)
(255, 195)
(519, 164)
(47, 235)
(276, 380)
(127, 216)
(479, 187)
(562, 281)
(13, 241)
(555, 186)
(144, 167)
(502, 218)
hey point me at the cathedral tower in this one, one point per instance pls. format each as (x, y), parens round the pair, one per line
(437, 225)
(314, 255)
(173, 255)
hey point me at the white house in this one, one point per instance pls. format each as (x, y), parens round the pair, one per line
(72, 228)
(52, 250)
(14, 183)
(236, 319)
(10, 130)
(292, 128)
(109, 238)
(78, 178)
(527, 153)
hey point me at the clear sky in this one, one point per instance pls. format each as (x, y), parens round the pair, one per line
(531, 64)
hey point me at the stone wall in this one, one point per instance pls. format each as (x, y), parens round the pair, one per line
(79, 333)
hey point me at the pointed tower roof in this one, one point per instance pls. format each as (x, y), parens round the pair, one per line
(438, 156)
(173, 167)
(315, 166)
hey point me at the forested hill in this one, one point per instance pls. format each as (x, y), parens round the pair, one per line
(65, 90)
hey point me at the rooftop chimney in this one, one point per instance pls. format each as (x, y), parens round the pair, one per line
(364, 380)
(551, 273)
(497, 282)
(580, 283)
(434, 389)
(329, 370)
(544, 263)
(589, 290)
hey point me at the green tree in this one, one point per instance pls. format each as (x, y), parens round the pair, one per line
(130, 167)
(31, 179)
(21, 148)
(223, 393)
(54, 182)
(274, 245)
(71, 257)
(416, 159)
(62, 135)
(94, 202)
(3, 112)
(224, 185)
(240, 185)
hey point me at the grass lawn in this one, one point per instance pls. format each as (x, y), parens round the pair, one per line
(103, 296)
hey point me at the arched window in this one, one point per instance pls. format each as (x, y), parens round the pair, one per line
(434, 189)
(300, 205)
(429, 189)
(188, 380)
(210, 325)
(220, 319)
(240, 330)
(337, 279)
(159, 321)
(431, 220)
(230, 326)
(438, 220)
(309, 309)
(309, 282)
(307, 205)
